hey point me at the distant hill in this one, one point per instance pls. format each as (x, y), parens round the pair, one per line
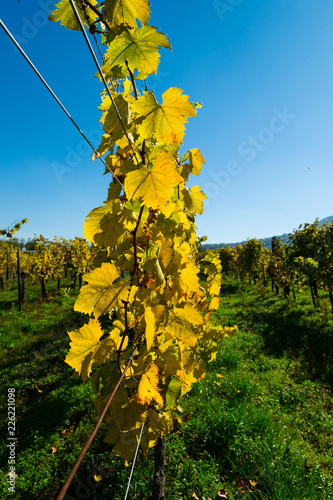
(267, 241)
(330, 218)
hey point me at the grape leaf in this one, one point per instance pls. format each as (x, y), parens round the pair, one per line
(214, 303)
(65, 14)
(173, 393)
(193, 199)
(110, 120)
(153, 186)
(127, 11)
(215, 285)
(189, 312)
(196, 161)
(148, 389)
(136, 48)
(101, 293)
(109, 225)
(87, 351)
(182, 330)
(187, 279)
(163, 122)
(150, 326)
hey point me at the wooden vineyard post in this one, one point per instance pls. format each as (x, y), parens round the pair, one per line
(20, 302)
(160, 470)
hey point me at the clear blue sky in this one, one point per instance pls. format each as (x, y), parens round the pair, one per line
(263, 71)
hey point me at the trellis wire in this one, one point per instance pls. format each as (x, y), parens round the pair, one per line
(102, 76)
(97, 426)
(134, 460)
(17, 45)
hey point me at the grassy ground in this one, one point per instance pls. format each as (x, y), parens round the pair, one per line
(259, 426)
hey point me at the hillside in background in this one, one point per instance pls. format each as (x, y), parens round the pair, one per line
(267, 241)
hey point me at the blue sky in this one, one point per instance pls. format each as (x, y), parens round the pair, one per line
(263, 72)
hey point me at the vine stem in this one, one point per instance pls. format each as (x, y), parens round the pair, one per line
(97, 426)
(135, 269)
(97, 12)
(132, 80)
(136, 265)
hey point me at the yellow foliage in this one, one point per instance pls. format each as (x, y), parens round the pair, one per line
(163, 122)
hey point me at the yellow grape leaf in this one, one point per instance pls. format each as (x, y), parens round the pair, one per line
(153, 186)
(173, 393)
(187, 379)
(87, 351)
(148, 389)
(125, 442)
(131, 416)
(196, 161)
(163, 122)
(182, 330)
(159, 425)
(187, 280)
(214, 303)
(215, 284)
(193, 199)
(150, 326)
(110, 121)
(100, 295)
(65, 14)
(169, 259)
(114, 191)
(109, 225)
(127, 11)
(136, 48)
(106, 144)
(190, 313)
(168, 360)
(102, 383)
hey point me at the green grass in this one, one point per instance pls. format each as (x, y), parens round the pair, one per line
(259, 426)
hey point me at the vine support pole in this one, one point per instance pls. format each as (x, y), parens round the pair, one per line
(19, 280)
(160, 470)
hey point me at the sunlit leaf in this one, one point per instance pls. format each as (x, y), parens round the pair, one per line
(102, 292)
(148, 389)
(65, 14)
(163, 122)
(136, 50)
(125, 12)
(153, 186)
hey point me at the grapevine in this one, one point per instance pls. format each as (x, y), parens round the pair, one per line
(146, 280)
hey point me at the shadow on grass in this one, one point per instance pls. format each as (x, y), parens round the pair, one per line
(6, 305)
(229, 288)
(306, 337)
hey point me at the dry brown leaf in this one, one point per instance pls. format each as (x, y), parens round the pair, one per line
(222, 493)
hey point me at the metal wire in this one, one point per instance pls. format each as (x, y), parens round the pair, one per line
(133, 464)
(17, 45)
(98, 47)
(102, 76)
